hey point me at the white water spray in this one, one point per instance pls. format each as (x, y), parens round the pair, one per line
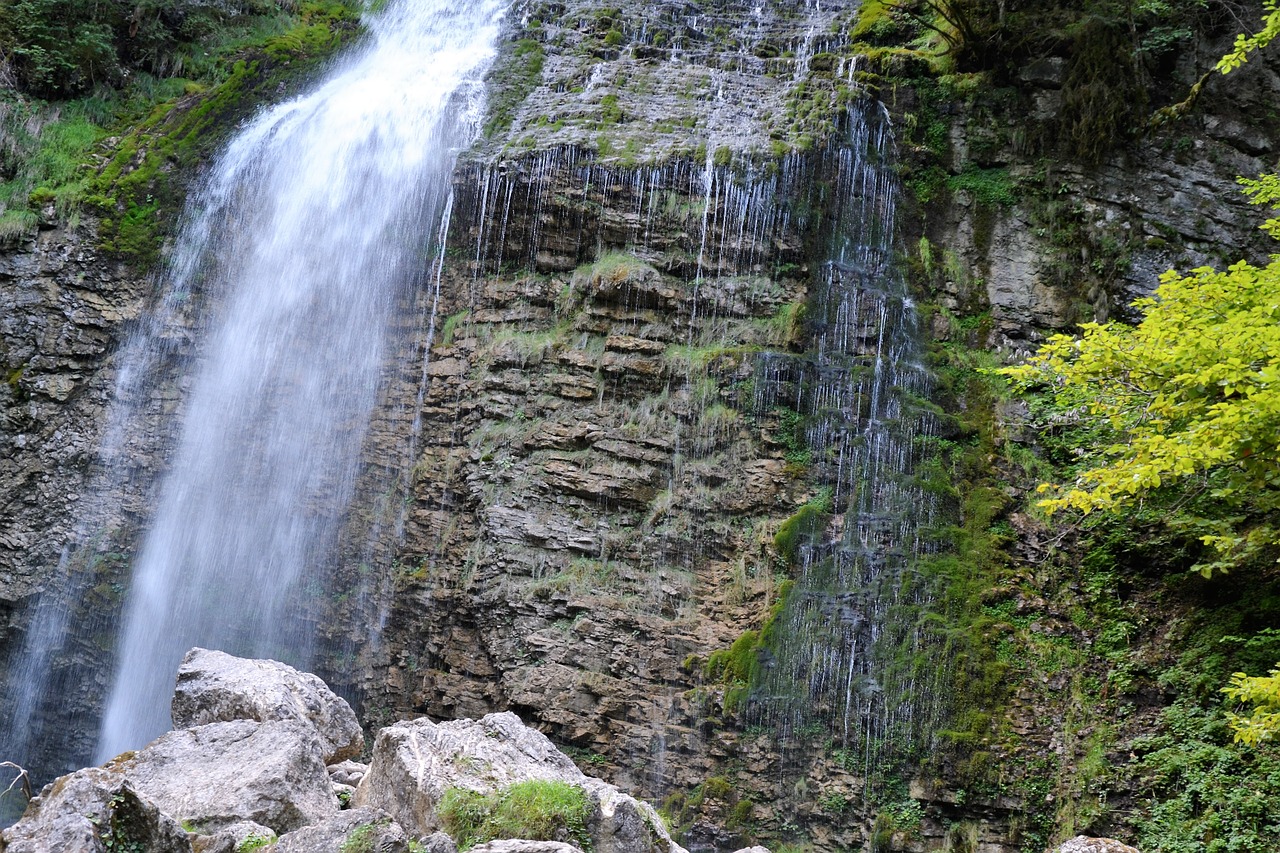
(312, 227)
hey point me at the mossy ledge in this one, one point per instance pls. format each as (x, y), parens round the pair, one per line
(138, 194)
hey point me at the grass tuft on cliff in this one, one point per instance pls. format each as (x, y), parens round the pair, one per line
(536, 810)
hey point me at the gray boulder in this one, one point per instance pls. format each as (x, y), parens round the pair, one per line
(215, 687)
(415, 762)
(220, 774)
(521, 846)
(438, 842)
(753, 850)
(347, 772)
(358, 829)
(229, 839)
(93, 811)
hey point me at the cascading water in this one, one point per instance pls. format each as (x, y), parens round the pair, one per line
(842, 654)
(315, 220)
(310, 232)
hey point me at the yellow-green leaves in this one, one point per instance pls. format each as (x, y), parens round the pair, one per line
(1263, 692)
(1191, 391)
(1248, 44)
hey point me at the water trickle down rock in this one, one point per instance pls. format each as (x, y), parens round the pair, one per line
(857, 393)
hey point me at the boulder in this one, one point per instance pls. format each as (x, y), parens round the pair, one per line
(521, 846)
(93, 811)
(347, 772)
(229, 839)
(215, 687)
(415, 762)
(753, 850)
(1085, 844)
(358, 829)
(438, 842)
(220, 774)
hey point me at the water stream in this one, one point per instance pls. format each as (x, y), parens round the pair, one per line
(848, 645)
(310, 233)
(315, 220)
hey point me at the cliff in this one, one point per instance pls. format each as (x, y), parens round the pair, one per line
(576, 484)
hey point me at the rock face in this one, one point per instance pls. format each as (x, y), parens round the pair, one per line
(414, 763)
(65, 306)
(216, 687)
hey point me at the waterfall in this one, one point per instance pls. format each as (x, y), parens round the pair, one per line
(845, 648)
(306, 238)
(315, 220)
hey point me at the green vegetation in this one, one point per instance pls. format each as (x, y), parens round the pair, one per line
(1199, 789)
(160, 123)
(992, 187)
(362, 839)
(1246, 44)
(1188, 402)
(519, 67)
(804, 527)
(45, 166)
(254, 841)
(534, 810)
(1263, 692)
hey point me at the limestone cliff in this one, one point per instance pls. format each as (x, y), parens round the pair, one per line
(594, 493)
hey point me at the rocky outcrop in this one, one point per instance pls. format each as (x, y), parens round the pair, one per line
(1084, 844)
(216, 687)
(415, 763)
(233, 838)
(237, 780)
(357, 829)
(94, 811)
(271, 773)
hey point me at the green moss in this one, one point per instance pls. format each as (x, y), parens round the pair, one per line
(790, 434)
(800, 530)
(990, 187)
(535, 810)
(139, 192)
(738, 668)
(517, 72)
